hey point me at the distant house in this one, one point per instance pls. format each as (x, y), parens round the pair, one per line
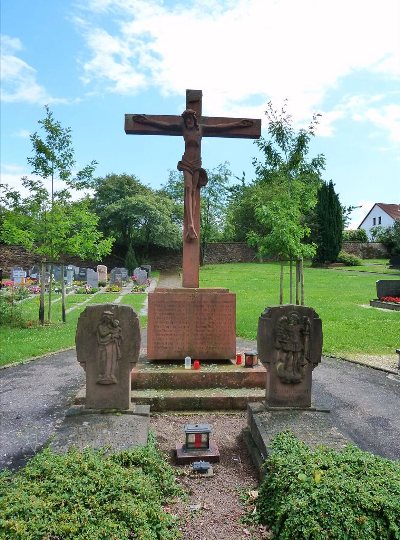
(380, 214)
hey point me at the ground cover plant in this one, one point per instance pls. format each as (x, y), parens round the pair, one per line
(341, 299)
(82, 495)
(26, 339)
(324, 494)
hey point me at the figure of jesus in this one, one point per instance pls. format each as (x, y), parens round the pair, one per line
(194, 175)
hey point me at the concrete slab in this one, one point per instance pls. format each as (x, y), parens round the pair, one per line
(95, 430)
(312, 426)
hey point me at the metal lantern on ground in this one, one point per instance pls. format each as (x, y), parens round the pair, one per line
(197, 445)
(197, 436)
(250, 359)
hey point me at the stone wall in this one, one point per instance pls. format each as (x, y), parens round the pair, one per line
(163, 259)
(226, 252)
(366, 250)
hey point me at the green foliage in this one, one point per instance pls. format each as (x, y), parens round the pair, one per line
(134, 214)
(48, 222)
(389, 236)
(348, 259)
(287, 185)
(10, 312)
(130, 260)
(357, 235)
(54, 155)
(329, 217)
(324, 494)
(82, 495)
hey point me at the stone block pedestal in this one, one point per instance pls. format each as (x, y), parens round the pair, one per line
(200, 323)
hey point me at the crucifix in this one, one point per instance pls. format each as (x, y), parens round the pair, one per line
(192, 126)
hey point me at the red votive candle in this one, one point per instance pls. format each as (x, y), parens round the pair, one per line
(238, 359)
(196, 364)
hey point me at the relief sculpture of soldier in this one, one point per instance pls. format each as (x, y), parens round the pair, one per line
(194, 175)
(292, 342)
(108, 348)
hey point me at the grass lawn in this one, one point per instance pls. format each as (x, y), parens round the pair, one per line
(17, 344)
(340, 298)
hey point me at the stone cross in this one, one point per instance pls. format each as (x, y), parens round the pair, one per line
(192, 126)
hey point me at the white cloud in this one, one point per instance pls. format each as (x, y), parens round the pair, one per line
(237, 50)
(22, 134)
(11, 175)
(19, 79)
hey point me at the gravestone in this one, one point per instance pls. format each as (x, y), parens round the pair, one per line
(125, 274)
(289, 341)
(34, 272)
(107, 347)
(57, 273)
(82, 274)
(18, 275)
(70, 275)
(102, 273)
(394, 262)
(92, 278)
(116, 276)
(147, 268)
(140, 276)
(387, 287)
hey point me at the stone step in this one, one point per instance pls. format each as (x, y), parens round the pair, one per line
(168, 375)
(209, 399)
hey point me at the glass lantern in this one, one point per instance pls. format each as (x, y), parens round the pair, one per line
(197, 436)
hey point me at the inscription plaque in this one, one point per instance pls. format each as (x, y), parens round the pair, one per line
(200, 323)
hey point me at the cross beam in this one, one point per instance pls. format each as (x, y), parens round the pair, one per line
(192, 126)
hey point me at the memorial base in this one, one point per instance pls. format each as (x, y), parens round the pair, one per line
(200, 323)
(185, 457)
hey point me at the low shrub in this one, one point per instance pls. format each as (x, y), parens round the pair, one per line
(11, 313)
(89, 495)
(323, 494)
(102, 283)
(348, 259)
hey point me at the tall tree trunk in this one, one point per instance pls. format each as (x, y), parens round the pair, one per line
(297, 280)
(291, 281)
(50, 287)
(42, 289)
(281, 285)
(62, 295)
(302, 280)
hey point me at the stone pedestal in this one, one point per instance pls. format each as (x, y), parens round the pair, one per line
(289, 341)
(107, 347)
(200, 323)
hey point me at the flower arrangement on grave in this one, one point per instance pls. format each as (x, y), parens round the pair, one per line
(394, 299)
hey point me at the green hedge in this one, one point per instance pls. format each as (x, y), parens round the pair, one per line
(89, 495)
(324, 494)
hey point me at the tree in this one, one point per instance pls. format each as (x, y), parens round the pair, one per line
(48, 222)
(357, 235)
(389, 236)
(136, 215)
(287, 185)
(213, 203)
(329, 217)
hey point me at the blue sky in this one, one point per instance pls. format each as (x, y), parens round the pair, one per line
(94, 61)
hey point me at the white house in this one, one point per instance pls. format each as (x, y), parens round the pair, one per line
(380, 214)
